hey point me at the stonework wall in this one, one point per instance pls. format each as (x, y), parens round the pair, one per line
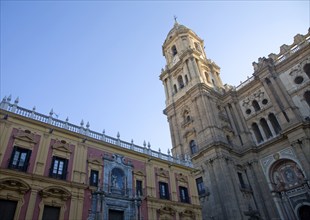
(252, 148)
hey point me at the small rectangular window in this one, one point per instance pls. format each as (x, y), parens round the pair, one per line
(163, 190)
(59, 168)
(7, 208)
(139, 191)
(241, 180)
(51, 212)
(94, 177)
(19, 159)
(184, 194)
(200, 186)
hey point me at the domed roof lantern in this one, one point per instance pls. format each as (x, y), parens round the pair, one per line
(177, 29)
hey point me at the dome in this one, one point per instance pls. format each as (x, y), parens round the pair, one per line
(177, 28)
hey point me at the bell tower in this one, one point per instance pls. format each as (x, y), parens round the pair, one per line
(192, 84)
(202, 125)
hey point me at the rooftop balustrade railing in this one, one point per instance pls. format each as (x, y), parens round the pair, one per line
(146, 149)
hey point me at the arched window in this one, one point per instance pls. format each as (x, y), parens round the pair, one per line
(274, 122)
(186, 79)
(255, 105)
(307, 97)
(180, 81)
(213, 82)
(174, 50)
(207, 77)
(307, 69)
(258, 135)
(175, 88)
(186, 116)
(266, 128)
(193, 146)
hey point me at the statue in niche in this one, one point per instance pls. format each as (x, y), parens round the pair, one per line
(117, 180)
(289, 175)
(114, 179)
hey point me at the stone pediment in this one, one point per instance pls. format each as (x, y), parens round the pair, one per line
(138, 173)
(55, 192)
(61, 146)
(95, 160)
(25, 135)
(163, 173)
(14, 185)
(166, 210)
(181, 178)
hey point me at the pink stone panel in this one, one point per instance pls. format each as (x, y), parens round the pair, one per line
(87, 203)
(37, 209)
(50, 157)
(9, 150)
(94, 153)
(23, 210)
(67, 211)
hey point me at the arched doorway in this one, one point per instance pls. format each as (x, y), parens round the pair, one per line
(304, 212)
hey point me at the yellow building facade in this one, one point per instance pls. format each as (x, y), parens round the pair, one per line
(51, 169)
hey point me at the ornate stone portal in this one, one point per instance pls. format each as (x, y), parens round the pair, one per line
(114, 198)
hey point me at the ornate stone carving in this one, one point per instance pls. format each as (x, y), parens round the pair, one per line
(166, 210)
(25, 135)
(181, 178)
(14, 185)
(55, 192)
(61, 146)
(95, 160)
(187, 213)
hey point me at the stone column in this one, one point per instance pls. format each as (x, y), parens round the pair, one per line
(231, 119)
(279, 205)
(257, 190)
(42, 154)
(287, 207)
(271, 128)
(300, 149)
(5, 128)
(261, 130)
(218, 209)
(236, 190)
(189, 72)
(270, 201)
(32, 203)
(220, 212)
(195, 67)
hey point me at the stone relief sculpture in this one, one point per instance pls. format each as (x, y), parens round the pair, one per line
(286, 175)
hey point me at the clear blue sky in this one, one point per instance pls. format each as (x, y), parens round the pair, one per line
(100, 61)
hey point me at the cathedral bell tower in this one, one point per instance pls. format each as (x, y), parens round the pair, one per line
(192, 85)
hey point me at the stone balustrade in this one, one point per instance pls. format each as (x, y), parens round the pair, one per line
(146, 149)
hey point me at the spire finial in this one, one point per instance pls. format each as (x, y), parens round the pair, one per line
(175, 19)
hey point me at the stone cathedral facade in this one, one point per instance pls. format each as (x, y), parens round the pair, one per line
(250, 144)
